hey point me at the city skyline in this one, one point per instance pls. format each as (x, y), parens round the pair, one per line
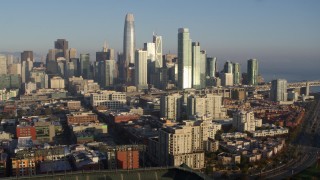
(273, 32)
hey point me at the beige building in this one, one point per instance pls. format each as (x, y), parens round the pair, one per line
(74, 105)
(170, 107)
(227, 79)
(111, 99)
(14, 68)
(208, 105)
(57, 83)
(185, 143)
(82, 86)
(229, 159)
(245, 121)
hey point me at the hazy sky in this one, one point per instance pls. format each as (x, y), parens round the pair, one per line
(284, 35)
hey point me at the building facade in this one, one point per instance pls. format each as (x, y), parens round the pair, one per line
(278, 90)
(141, 69)
(184, 59)
(252, 72)
(170, 106)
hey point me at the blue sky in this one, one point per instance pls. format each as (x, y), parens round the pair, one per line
(283, 35)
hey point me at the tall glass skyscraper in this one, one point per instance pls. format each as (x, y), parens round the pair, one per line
(85, 65)
(157, 40)
(211, 66)
(228, 67)
(252, 72)
(196, 65)
(184, 59)
(129, 40)
(236, 73)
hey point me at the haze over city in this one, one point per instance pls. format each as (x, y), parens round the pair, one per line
(283, 35)
(139, 90)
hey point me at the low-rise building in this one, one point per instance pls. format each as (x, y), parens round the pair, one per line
(82, 118)
(229, 159)
(110, 99)
(74, 105)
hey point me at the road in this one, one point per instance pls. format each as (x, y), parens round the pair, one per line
(307, 143)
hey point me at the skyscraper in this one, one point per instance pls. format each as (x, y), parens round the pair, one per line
(85, 66)
(72, 53)
(252, 72)
(236, 73)
(25, 55)
(211, 66)
(129, 40)
(196, 63)
(105, 54)
(157, 40)
(203, 58)
(141, 69)
(228, 67)
(26, 67)
(279, 90)
(184, 59)
(105, 73)
(61, 44)
(151, 55)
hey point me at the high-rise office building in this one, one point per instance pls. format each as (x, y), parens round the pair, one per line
(211, 65)
(39, 77)
(51, 63)
(228, 67)
(25, 55)
(203, 58)
(151, 51)
(26, 68)
(85, 66)
(236, 74)
(141, 59)
(170, 106)
(76, 64)
(3, 64)
(169, 59)
(71, 53)
(61, 61)
(279, 90)
(105, 54)
(129, 40)
(226, 79)
(62, 44)
(151, 55)
(105, 74)
(196, 63)
(70, 69)
(184, 59)
(252, 72)
(157, 40)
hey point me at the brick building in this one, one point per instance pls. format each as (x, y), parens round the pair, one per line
(26, 131)
(123, 117)
(81, 118)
